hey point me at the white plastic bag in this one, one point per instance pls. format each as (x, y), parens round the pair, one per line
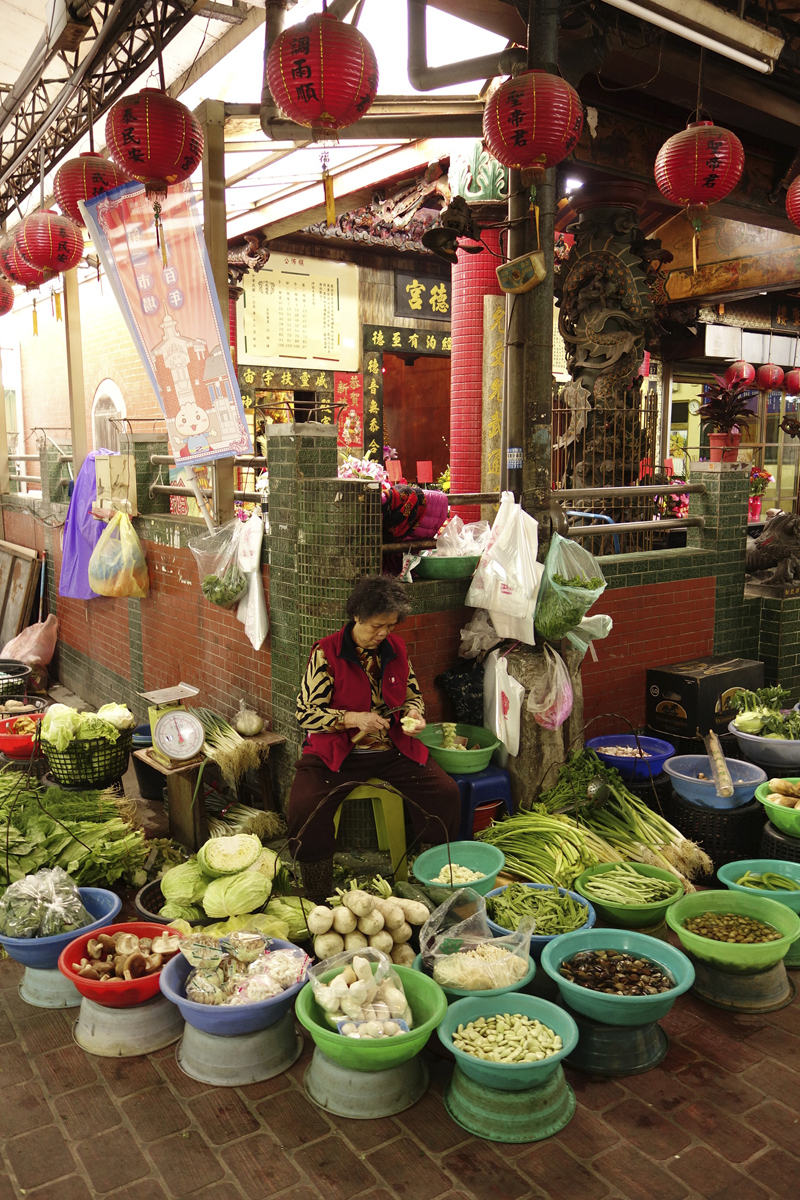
(590, 630)
(478, 636)
(502, 703)
(458, 540)
(507, 579)
(551, 701)
(252, 610)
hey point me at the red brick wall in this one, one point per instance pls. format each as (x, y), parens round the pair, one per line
(432, 640)
(654, 624)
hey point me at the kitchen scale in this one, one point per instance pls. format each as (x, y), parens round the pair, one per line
(177, 733)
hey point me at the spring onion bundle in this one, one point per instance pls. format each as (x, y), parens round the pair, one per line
(241, 818)
(232, 753)
(548, 849)
(554, 912)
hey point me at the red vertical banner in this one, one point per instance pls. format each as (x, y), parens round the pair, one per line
(349, 400)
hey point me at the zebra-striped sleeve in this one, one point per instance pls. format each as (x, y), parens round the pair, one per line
(314, 710)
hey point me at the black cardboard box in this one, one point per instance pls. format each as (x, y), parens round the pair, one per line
(690, 698)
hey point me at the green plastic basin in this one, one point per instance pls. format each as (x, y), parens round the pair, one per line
(509, 1077)
(618, 1010)
(459, 993)
(461, 762)
(731, 956)
(733, 871)
(477, 856)
(428, 1005)
(432, 566)
(785, 819)
(629, 916)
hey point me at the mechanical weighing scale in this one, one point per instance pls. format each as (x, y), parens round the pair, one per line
(177, 733)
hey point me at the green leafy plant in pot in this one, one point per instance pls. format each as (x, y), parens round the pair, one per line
(724, 411)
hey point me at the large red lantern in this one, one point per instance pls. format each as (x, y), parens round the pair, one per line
(6, 297)
(700, 165)
(83, 177)
(792, 381)
(533, 120)
(740, 372)
(793, 201)
(155, 139)
(19, 271)
(323, 74)
(50, 242)
(769, 376)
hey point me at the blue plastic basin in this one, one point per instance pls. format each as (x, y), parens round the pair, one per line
(683, 770)
(226, 1020)
(633, 768)
(43, 953)
(538, 942)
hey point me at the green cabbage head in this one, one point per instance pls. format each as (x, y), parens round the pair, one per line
(184, 884)
(231, 895)
(229, 855)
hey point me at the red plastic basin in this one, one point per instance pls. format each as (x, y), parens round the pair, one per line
(17, 745)
(119, 993)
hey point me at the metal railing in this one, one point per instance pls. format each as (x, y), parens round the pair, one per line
(169, 489)
(245, 460)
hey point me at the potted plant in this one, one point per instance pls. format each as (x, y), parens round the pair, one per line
(760, 478)
(725, 409)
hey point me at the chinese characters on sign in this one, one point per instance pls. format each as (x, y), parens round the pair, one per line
(280, 383)
(173, 315)
(420, 296)
(493, 364)
(373, 406)
(406, 341)
(349, 392)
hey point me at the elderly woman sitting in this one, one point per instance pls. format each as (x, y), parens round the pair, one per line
(362, 710)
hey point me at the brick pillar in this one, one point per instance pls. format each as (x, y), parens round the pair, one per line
(473, 278)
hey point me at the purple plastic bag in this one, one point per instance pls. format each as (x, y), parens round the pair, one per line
(81, 533)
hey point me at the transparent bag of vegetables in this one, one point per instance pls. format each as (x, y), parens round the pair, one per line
(42, 905)
(365, 987)
(222, 580)
(572, 582)
(118, 566)
(459, 951)
(550, 698)
(268, 975)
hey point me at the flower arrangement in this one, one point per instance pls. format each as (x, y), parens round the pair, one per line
(672, 504)
(363, 468)
(760, 479)
(725, 407)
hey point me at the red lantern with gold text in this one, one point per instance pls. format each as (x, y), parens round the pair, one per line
(793, 202)
(83, 177)
(14, 266)
(322, 73)
(740, 372)
(700, 165)
(50, 242)
(769, 376)
(792, 382)
(533, 121)
(6, 297)
(155, 138)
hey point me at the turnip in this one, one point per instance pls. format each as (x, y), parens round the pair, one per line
(415, 913)
(402, 933)
(319, 920)
(403, 955)
(360, 903)
(344, 921)
(392, 913)
(355, 941)
(382, 941)
(371, 923)
(328, 944)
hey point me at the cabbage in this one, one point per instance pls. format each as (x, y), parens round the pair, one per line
(180, 925)
(184, 884)
(270, 866)
(118, 715)
(185, 912)
(229, 855)
(92, 726)
(59, 725)
(293, 910)
(255, 923)
(231, 895)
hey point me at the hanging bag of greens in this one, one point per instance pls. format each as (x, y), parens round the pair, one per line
(222, 581)
(571, 584)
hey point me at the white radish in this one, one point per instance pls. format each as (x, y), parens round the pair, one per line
(319, 920)
(396, 1001)
(327, 945)
(362, 968)
(403, 955)
(339, 986)
(351, 1009)
(415, 913)
(358, 991)
(382, 941)
(344, 921)
(402, 933)
(392, 913)
(327, 999)
(360, 903)
(355, 941)
(371, 923)
(348, 974)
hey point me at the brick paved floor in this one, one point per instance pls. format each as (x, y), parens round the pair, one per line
(718, 1119)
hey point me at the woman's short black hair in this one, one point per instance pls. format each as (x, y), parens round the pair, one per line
(377, 594)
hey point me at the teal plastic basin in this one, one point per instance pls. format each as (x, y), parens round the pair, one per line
(733, 956)
(459, 993)
(428, 1005)
(477, 856)
(629, 916)
(509, 1077)
(618, 1010)
(733, 871)
(785, 819)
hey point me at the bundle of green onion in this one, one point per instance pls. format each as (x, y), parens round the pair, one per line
(547, 849)
(225, 820)
(624, 885)
(768, 881)
(555, 913)
(232, 753)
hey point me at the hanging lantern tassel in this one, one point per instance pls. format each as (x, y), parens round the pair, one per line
(160, 239)
(59, 317)
(696, 223)
(35, 321)
(330, 206)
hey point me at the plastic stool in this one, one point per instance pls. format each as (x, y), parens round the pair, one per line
(481, 788)
(390, 824)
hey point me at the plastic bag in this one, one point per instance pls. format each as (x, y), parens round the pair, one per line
(458, 540)
(572, 582)
(590, 630)
(459, 951)
(360, 993)
(463, 686)
(117, 566)
(42, 905)
(35, 647)
(252, 610)
(478, 636)
(506, 581)
(550, 700)
(222, 581)
(502, 704)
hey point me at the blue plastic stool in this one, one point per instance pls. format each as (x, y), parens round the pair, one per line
(481, 788)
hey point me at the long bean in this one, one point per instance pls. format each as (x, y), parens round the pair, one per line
(769, 881)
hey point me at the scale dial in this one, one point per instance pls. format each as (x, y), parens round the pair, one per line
(179, 735)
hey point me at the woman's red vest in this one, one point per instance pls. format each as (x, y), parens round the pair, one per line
(352, 691)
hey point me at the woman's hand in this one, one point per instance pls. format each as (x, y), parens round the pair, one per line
(367, 722)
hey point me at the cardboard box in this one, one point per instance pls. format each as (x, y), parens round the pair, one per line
(688, 699)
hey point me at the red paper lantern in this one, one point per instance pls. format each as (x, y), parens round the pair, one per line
(700, 165)
(792, 381)
(793, 202)
(770, 375)
(533, 121)
(322, 73)
(80, 178)
(13, 265)
(50, 242)
(6, 297)
(155, 138)
(740, 372)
